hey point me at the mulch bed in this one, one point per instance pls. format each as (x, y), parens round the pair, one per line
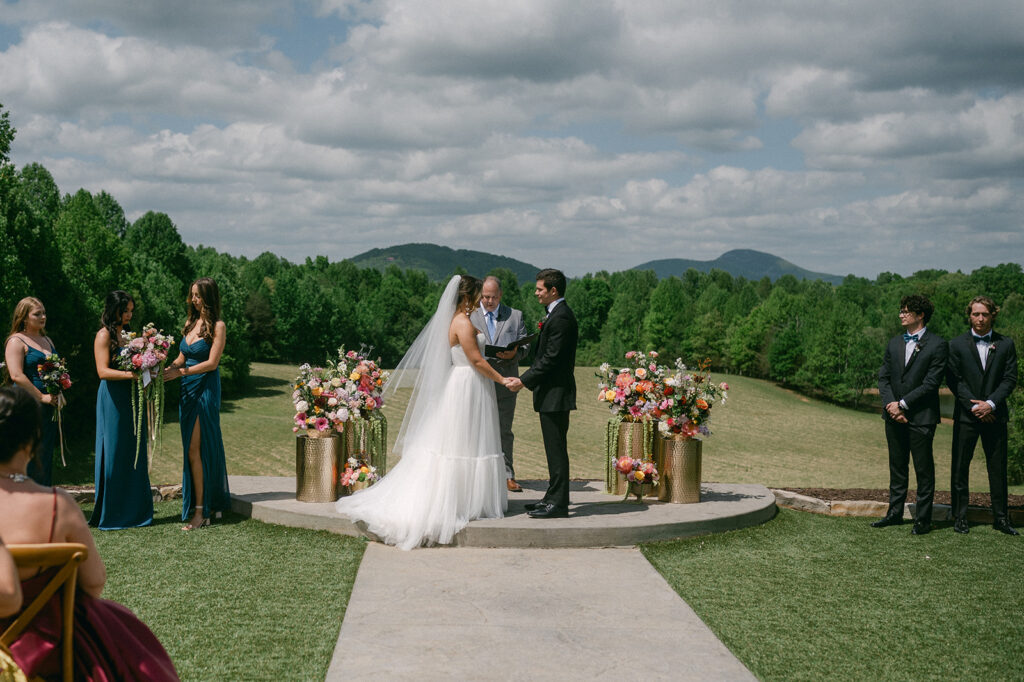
(882, 495)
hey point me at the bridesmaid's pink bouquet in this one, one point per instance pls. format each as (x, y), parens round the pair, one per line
(53, 372)
(145, 356)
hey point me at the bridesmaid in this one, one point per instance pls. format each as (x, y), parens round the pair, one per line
(204, 481)
(123, 497)
(27, 345)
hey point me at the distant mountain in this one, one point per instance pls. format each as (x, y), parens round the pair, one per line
(439, 262)
(753, 265)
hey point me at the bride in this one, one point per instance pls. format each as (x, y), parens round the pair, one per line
(451, 469)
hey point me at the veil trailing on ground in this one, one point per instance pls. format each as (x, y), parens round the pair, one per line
(425, 367)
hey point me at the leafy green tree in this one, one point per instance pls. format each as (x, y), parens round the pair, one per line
(112, 213)
(156, 237)
(94, 259)
(39, 191)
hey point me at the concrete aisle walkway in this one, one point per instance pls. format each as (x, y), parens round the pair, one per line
(503, 614)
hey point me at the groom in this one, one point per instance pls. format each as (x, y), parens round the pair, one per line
(551, 379)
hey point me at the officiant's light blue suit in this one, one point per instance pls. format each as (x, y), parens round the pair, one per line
(508, 326)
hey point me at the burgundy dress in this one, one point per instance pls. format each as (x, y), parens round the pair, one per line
(110, 643)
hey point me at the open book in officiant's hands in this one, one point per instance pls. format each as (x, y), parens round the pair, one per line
(492, 351)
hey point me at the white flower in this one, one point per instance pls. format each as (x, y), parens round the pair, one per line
(336, 382)
(342, 415)
(604, 368)
(301, 406)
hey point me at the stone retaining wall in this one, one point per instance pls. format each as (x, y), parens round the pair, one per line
(940, 512)
(161, 493)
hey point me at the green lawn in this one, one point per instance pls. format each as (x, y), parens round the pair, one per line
(764, 434)
(240, 600)
(808, 597)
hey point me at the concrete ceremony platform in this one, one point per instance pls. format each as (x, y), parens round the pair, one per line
(595, 519)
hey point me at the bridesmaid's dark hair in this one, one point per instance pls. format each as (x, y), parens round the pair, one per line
(469, 292)
(20, 422)
(113, 309)
(210, 315)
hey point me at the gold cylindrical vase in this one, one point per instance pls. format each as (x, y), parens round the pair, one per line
(630, 444)
(316, 468)
(678, 461)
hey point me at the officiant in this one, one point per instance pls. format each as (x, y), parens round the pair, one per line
(502, 326)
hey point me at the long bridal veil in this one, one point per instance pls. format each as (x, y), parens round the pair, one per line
(425, 367)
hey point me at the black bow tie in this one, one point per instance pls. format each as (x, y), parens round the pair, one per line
(982, 339)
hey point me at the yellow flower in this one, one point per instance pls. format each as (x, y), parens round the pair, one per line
(317, 391)
(354, 376)
(364, 469)
(639, 476)
(609, 395)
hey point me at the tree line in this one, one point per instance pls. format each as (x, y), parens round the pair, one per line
(69, 250)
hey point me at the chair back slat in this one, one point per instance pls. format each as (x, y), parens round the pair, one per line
(67, 555)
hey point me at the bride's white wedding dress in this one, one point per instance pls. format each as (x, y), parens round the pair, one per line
(451, 471)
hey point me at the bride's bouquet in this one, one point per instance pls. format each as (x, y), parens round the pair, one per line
(53, 372)
(145, 357)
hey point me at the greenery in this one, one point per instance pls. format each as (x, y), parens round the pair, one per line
(240, 600)
(809, 597)
(439, 262)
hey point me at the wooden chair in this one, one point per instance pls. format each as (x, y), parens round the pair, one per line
(67, 555)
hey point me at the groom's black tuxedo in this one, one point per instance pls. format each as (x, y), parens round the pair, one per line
(916, 383)
(551, 379)
(970, 381)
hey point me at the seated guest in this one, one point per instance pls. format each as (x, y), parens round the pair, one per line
(110, 643)
(10, 585)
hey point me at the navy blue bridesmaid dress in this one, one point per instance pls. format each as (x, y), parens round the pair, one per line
(123, 495)
(41, 466)
(200, 399)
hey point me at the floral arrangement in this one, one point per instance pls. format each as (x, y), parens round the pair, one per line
(633, 392)
(325, 398)
(364, 381)
(687, 398)
(53, 372)
(358, 471)
(145, 356)
(637, 470)
(320, 401)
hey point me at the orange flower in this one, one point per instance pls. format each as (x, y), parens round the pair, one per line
(702, 404)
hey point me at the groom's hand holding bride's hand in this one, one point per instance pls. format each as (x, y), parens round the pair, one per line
(513, 384)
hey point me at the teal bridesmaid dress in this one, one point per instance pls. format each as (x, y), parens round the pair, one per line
(41, 466)
(200, 399)
(123, 496)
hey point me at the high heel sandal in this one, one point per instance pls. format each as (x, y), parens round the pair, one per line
(202, 524)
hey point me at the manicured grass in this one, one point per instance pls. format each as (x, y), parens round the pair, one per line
(808, 597)
(240, 600)
(764, 434)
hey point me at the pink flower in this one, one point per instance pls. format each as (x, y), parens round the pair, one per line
(724, 386)
(630, 354)
(138, 343)
(653, 354)
(137, 361)
(321, 424)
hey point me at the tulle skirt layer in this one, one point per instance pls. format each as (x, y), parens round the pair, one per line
(451, 471)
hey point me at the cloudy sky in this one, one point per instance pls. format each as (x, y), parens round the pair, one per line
(846, 137)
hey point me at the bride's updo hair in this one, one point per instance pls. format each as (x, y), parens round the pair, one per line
(469, 292)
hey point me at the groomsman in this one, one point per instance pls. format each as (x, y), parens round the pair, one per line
(501, 326)
(551, 379)
(982, 373)
(908, 383)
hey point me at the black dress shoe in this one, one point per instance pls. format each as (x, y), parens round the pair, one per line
(887, 521)
(549, 511)
(1003, 526)
(960, 526)
(921, 528)
(530, 506)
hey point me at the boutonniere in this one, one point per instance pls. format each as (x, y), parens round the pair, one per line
(992, 348)
(917, 349)
(540, 325)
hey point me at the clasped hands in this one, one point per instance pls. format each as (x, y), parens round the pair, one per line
(513, 384)
(896, 412)
(983, 411)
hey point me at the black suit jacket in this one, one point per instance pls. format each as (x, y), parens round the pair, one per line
(550, 377)
(969, 381)
(916, 383)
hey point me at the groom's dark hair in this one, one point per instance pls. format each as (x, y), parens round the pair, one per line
(553, 279)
